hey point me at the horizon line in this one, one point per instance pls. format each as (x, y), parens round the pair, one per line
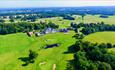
(58, 7)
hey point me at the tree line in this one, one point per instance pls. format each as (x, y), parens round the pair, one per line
(24, 27)
(93, 27)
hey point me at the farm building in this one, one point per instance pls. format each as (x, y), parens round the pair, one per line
(49, 30)
(29, 34)
(64, 30)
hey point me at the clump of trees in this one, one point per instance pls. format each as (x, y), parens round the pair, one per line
(92, 56)
(68, 17)
(24, 27)
(11, 20)
(93, 27)
(103, 16)
(31, 18)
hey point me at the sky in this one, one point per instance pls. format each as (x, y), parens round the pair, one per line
(54, 3)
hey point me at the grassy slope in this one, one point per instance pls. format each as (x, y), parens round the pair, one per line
(102, 37)
(13, 46)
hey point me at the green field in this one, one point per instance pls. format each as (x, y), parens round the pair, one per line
(14, 46)
(96, 19)
(101, 37)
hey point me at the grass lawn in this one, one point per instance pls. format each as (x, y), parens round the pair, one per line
(14, 46)
(101, 37)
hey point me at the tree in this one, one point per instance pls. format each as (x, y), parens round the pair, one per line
(11, 20)
(109, 45)
(102, 45)
(2, 21)
(104, 66)
(95, 54)
(83, 15)
(93, 66)
(70, 67)
(32, 55)
(79, 36)
(81, 62)
(52, 25)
